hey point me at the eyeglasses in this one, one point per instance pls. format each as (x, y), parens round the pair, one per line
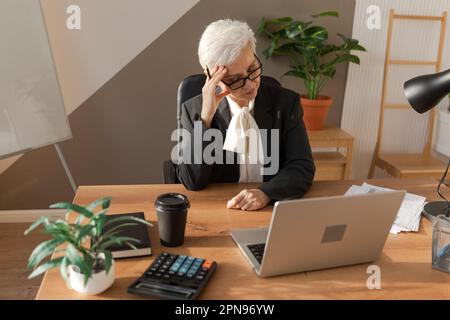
(239, 83)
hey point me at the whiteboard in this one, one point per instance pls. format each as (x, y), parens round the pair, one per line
(32, 113)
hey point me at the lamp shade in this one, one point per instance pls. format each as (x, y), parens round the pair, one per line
(425, 92)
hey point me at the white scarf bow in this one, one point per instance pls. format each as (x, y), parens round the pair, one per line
(243, 137)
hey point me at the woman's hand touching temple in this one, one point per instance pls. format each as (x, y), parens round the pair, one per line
(252, 199)
(211, 99)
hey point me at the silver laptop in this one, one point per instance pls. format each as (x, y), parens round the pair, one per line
(319, 233)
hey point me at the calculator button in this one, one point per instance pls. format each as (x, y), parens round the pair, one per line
(195, 266)
(185, 267)
(207, 264)
(177, 264)
(158, 274)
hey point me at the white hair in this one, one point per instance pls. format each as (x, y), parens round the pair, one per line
(222, 42)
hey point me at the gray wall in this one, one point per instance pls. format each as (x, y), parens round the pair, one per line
(122, 132)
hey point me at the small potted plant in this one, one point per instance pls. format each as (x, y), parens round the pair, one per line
(81, 247)
(313, 58)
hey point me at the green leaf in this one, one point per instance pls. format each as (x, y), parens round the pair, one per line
(108, 260)
(296, 72)
(105, 202)
(262, 26)
(317, 33)
(85, 231)
(359, 48)
(127, 218)
(81, 259)
(347, 58)
(326, 14)
(326, 49)
(294, 29)
(63, 268)
(99, 224)
(273, 45)
(42, 220)
(343, 37)
(42, 251)
(60, 231)
(131, 245)
(77, 258)
(43, 268)
(279, 20)
(115, 240)
(74, 207)
(329, 72)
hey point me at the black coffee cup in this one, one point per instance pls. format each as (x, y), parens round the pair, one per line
(171, 209)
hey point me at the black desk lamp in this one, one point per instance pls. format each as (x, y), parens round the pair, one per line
(424, 93)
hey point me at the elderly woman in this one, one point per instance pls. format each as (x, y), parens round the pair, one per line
(227, 55)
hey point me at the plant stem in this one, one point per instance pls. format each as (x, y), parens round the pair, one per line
(313, 87)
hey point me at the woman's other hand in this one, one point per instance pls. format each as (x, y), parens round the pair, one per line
(253, 199)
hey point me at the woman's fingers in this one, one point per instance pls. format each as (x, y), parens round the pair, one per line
(244, 200)
(232, 203)
(249, 205)
(217, 76)
(249, 200)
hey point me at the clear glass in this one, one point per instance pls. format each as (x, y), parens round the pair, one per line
(441, 243)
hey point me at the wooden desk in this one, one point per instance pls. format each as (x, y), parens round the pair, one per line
(332, 165)
(405, 263)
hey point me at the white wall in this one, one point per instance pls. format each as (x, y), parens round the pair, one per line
(405, 130)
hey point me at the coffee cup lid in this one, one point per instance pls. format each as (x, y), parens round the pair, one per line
(172, 201)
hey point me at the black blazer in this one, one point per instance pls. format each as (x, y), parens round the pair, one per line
(275, 108)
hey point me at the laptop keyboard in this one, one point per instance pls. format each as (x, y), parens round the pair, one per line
(257, 250)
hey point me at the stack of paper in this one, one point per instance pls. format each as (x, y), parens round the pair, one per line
(408, 216)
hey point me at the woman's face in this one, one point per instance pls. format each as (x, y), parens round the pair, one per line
(240, 68)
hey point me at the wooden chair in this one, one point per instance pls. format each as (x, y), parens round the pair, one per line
(408, 165)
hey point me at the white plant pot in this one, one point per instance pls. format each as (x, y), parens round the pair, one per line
(443, 133)
(98, 282)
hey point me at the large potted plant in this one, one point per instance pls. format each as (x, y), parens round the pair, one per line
(313, 58)
(81, 246)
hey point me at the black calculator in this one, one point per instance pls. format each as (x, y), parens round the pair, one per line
(172, 276)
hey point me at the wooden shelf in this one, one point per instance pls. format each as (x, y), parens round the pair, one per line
(331, 165)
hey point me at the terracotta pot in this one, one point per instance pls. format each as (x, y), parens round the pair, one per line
(315, 111)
